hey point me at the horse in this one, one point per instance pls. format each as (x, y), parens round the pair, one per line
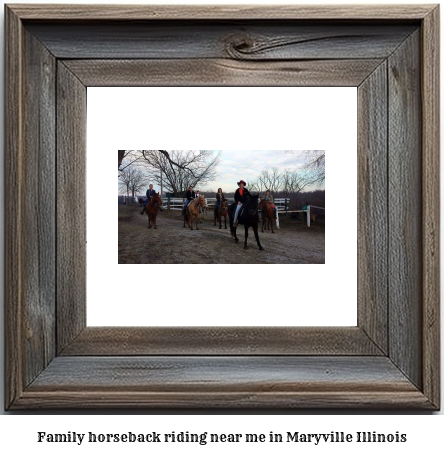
(193, 211)
(249, 217)
(202, 212)
(141, 200)
(152, 208)
(221, 211)
(267, 214)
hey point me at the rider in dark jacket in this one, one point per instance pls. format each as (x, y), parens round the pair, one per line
(220, 197)
(149, 193)
(240, 197)
(190, 195)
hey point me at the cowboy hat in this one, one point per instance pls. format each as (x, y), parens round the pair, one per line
(241, 182)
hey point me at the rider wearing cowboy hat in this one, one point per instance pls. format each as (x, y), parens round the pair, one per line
(240, 197)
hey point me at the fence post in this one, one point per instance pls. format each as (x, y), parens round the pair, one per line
(308, 216)
(168, 204)
(286, 208)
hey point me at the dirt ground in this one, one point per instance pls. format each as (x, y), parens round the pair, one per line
(170, 243)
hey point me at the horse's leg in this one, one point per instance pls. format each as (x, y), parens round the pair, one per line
(256, 235)
(264, 218)
(271, 223)
(215, 218)
(149, 220)
(197, 221)
(155, 221)
(246, 234)
(225, 220)
(233, 231)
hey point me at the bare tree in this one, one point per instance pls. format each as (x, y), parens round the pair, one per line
(149, 155)
(256, 186)
(178, 169)
(132, 179)
(294, 182)
(122, 154)
(314, 164)
(270, 180)
(289, 182)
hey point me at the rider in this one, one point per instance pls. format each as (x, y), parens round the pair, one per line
(219, 199)
(149, 193)
(269, 199)
(190, 195)
(240, 197)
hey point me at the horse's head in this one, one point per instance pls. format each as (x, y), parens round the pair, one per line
(201, 201)
(157, 199)
(253, 203)
(262, 203)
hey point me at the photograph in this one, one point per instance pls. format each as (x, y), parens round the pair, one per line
(221, 206)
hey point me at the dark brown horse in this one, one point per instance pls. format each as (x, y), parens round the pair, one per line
(192, 211)
(221, 211)
(267, 215)
(249, 217)
(152, 209)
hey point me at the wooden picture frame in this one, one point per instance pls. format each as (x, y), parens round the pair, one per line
(390, 360)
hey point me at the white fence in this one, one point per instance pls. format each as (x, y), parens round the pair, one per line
(308, 211)
(174, 204)
(282, 205)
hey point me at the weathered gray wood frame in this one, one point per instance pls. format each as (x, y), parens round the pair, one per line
(390, 360)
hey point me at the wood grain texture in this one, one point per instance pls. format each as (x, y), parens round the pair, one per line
(404, 209)
(220, 12)
(71, 206)
(372, 207)
(234, 382)
(236, 40)
(126, 341)
(221, 72)
(430, 93)
(14, 194)
(39, 207)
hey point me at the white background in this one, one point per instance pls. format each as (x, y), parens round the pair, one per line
(18, 433)
(249, 118)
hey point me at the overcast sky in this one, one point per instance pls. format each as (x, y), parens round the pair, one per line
(248, 164)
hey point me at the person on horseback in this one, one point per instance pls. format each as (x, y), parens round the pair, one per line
(190, 195)
(240, 197)
(269, 199)
(149, 193)
(219, 198)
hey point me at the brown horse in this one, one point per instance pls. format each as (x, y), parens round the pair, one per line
(192, 211)
(221, 211)
(267, 214)
(152, 208)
